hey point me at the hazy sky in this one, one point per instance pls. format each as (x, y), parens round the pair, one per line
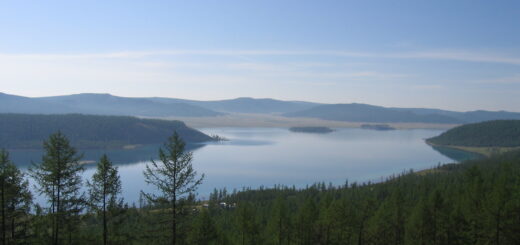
(453, 54)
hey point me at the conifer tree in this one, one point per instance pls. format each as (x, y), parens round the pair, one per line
(58, 177)
(15, 200)
(204, 231)
(279, 223)
(174, 176)
(104, 190)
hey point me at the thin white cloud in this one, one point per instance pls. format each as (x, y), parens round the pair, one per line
(246, 54)
(513, 79)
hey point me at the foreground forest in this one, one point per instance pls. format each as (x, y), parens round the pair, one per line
(474, 202)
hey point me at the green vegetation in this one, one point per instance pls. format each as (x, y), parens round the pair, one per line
(318, 130)
(15, 201)
(485, 138)
(498, 133)
(474, 202)
(88, 131)
(104, 191)
(174, 177)
(59, 179)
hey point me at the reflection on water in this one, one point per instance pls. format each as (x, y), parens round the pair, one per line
(23, 157)
(455, 154)
(265, 156)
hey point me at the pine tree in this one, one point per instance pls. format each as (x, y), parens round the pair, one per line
(204, 231)
(59, 179)
(279, 223)
(104, 190)
(174, 176)
(15, 200)
(247, 224)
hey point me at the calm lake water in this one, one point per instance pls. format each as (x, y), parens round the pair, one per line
(267, 156)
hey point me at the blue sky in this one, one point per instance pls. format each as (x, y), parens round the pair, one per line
(459, 55)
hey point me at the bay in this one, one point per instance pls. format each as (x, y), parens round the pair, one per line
(255, 157)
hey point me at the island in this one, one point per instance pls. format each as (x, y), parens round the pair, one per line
(28, 131)
(381, 127)
(485, 138)
(315, 130)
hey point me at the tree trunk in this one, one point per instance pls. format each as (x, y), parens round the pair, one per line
(3, 212)
(58, 214)
(174, 223)
(104, 216)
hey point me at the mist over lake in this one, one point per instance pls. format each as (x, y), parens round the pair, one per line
(254, 157)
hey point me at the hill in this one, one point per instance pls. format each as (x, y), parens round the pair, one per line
(246, 105)
(466, 117)
(106, 104)
(99, 104)
(88, 131)
(498, 133)
(369, 113)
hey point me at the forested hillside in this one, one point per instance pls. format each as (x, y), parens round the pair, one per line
(475, 202)
(88, 131)
(498, 133)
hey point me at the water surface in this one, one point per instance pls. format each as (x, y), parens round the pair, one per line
(255, 157)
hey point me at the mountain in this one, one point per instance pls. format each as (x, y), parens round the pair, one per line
(88, 131)
(19, 104)
(106, 104)
(246, 105)
(467, 117)
(369, 113)
(99, 104)
(497, 133)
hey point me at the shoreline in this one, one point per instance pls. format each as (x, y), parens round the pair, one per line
(485, 151)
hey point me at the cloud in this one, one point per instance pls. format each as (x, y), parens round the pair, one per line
(246, 54)
(513, 79)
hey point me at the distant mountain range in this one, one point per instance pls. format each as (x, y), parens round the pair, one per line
(369, 113)
(106, 104)
(246, 105)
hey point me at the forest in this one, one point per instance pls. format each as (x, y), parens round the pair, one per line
(90, 131)
(497, 133)
(473, 202)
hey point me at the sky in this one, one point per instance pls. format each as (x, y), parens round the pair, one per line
(455, 54)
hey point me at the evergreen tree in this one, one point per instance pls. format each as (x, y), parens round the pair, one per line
(247, 224)
(279, 224)
(58, 178)
(306, 219)
(104, 190)
(174, 176)
(15, 201)
(203, 231)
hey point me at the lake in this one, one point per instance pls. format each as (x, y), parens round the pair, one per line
(255, 157)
